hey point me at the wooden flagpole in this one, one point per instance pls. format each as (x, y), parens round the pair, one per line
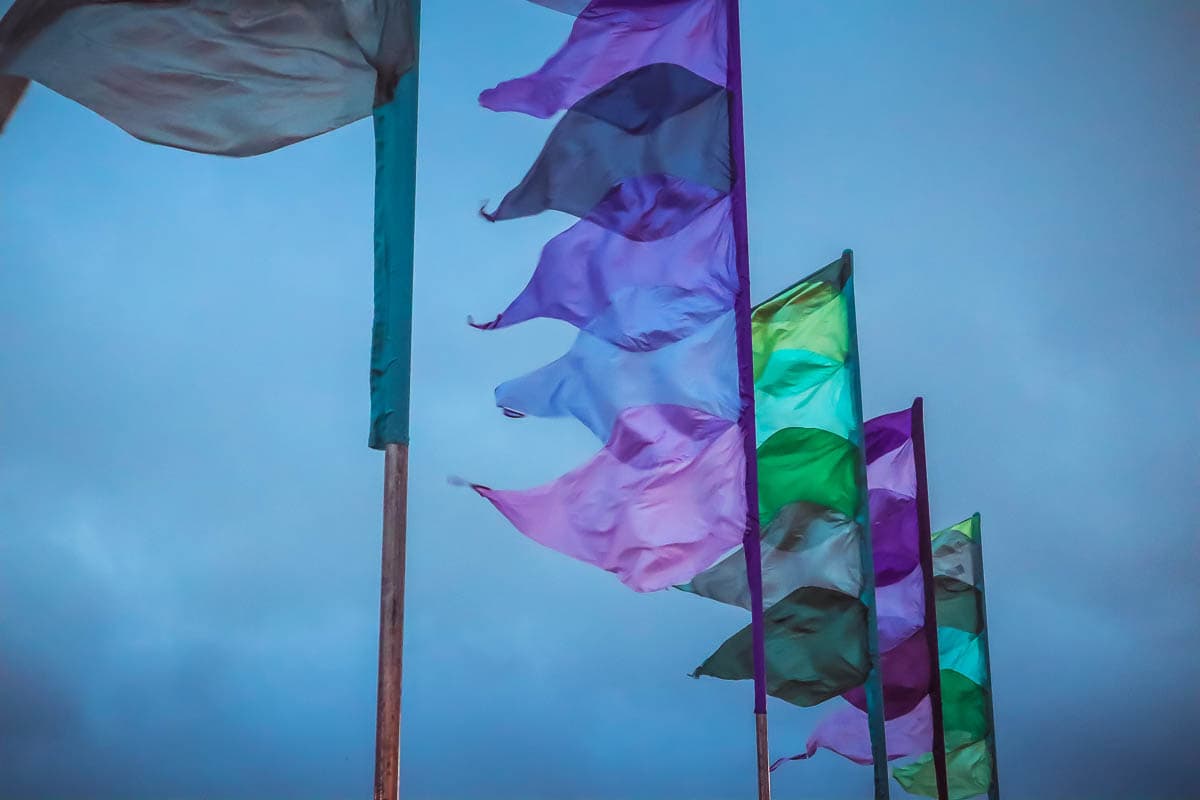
(391, 622)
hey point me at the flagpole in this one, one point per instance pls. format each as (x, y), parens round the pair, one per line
(391, 622)
(751, 544)
(981, 584)
(391, 367)
(874, 682)
(926, 551)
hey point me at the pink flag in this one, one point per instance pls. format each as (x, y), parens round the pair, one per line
(664, 499)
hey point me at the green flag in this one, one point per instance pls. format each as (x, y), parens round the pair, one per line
(816, 546)
(965, 672)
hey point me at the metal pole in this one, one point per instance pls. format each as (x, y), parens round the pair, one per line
(751, 543)
(931, 638)
(391, 622)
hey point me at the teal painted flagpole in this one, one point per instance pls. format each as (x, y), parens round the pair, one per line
(391, 367)
(874, 684)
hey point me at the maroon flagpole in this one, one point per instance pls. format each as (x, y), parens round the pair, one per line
(926, 548)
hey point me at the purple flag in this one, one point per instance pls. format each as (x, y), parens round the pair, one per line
(846, 732)
(900, 595)
(652, 275)
(658, 120)
(686, 470)
(611, 38)
(637, 295)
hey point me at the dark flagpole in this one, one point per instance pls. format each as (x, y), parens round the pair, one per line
(751, 543)
(391, 361)
(926, 544)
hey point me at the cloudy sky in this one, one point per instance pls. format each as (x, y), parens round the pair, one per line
(189, 516)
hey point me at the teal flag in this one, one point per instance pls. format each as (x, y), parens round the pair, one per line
(395, 205)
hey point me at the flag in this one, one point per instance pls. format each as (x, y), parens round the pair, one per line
(966, 678)
(615, 37)
(812, 500)
(213, 76)
(651, 277)
(894, 453)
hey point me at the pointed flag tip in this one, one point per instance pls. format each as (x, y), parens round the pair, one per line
(484, 326)
(780, 761)
(483, 212)
(455, 480)
(512, 413)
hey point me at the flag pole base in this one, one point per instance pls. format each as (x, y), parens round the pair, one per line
(764, 759)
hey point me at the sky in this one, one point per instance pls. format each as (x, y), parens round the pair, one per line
(190, 517)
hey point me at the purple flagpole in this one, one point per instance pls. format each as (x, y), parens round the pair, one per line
(745, 349)
(926, 545)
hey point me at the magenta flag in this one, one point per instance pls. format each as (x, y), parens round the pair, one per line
(686, 470)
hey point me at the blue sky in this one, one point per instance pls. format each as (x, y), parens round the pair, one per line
(189, 516)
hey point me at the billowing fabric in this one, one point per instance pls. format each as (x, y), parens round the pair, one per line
(612, 38)
(812, 316)
(967, 719)
(646, 208)
(596, 379)
(805, 544)
(686, 470)
(803, 389)
(906, 676)
(954, 557)
(959, 605)
(897, 551)
(962, 652)
(969, 771)
(900, 609)
(636, 295)
(661, 119)
(814, 647)
(212, 76)
(846, 733)
(808, 464)
(649, 276)
(812, 502)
